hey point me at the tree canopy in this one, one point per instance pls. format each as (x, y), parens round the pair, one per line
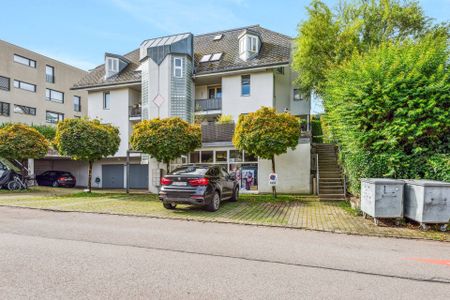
(20, 142)
(266, 133)
(166, 139)
(330, 37)
(88, 140)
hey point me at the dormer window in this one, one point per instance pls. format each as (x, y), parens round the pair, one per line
(249, 45)
(211, 57)
(112, 66)
(218, 37)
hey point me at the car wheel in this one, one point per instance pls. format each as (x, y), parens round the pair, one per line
(169, 206)
(215, 203)
(235, 195)
(55, 183)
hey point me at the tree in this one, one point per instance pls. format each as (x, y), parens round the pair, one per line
(48, 131)
(327, 39)
(88, 140)
(266, 133)
(21, 142)
(166, 139)
(389, 110)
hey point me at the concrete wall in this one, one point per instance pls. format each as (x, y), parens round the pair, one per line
(163, 73)
(116, 115)
(293, 169)
(261, 94)
(283, 90)
(65, 77)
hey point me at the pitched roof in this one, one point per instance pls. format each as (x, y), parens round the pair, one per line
(275, 50)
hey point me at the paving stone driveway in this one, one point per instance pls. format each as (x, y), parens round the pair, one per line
(289, 211)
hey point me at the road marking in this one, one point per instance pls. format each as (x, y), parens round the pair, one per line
(431, 261)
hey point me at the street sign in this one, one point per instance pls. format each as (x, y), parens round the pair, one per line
(144, 159)
(273, 179)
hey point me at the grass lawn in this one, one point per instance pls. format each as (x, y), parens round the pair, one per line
(293, 211)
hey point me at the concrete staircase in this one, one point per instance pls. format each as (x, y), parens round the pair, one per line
(331, 179)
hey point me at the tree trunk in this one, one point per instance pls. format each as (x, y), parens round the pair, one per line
(90, 176)
(274, 189)
(167, 167)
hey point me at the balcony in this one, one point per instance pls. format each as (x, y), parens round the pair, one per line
(215, 132)
(208, 106)
(135, 113)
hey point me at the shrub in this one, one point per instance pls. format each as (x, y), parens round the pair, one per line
(225, 119)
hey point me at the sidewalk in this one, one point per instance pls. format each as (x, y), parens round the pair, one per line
(291, 211)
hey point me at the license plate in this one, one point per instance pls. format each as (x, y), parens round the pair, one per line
(179, 183)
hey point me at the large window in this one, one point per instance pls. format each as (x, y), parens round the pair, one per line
(178, 67)
(25, 86)
(4, 109)
(49, 74)
(24, 61)
(53, 117)
(4, 83)
(54, 96)
(106, 100)
(25, 110)
(245, 85)
(297, 95)
(112, 66)
(77, 103)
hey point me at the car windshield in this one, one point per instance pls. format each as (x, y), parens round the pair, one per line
(189, 170)
(66, 174)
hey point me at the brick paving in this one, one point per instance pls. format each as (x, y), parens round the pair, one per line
(304, 212)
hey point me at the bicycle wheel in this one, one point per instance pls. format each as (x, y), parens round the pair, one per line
(14, 185)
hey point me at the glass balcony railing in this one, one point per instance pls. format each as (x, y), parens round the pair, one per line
(208, 104)
(134, 111)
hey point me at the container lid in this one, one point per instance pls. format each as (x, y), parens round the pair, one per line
(426, 182)
(383, 181)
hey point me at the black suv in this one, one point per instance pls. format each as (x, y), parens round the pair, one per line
(198, 185)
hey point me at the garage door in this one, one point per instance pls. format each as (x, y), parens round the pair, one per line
(139, 176)
(112, 176)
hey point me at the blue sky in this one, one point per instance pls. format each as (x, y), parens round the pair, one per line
(80, 32)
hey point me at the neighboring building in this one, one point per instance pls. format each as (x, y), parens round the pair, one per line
(199, 78)
(36, 89)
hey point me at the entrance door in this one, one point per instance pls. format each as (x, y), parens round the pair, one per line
(112, 176)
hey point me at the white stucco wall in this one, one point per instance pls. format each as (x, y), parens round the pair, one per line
(117, 115)
(293, 169)
(261, 94)
(283, 89)
(162, 72)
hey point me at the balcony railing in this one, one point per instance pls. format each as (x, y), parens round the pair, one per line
(134, 112)
(208, 104)
(214, 132)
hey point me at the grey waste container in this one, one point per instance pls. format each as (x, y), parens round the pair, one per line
(428, 202)
(382, 198)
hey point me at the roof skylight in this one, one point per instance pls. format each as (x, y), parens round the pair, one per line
(218, 37)
(205, 58)
(216, 56)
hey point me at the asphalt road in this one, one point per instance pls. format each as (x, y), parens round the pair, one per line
(50, 255)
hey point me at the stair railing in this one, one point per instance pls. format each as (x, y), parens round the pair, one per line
(317, 173)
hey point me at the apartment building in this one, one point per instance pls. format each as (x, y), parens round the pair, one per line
(200, 78)
(36, 89)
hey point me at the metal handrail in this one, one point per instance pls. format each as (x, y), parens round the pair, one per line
(317, 173)
(208, 104)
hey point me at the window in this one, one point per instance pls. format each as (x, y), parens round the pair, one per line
(106, 100)
(4, 109)
(207, 156)
(24, 61)
(25, 86)
(54, 96)
(297, 95)
(218, 37)
(221, 156)
(245, 85)
(252, 43)
(49, 74)
(205, 58)
(25, 110)
(216, 56)
(53, 117)
(77, 103)
(4, 83)
(178, 67)
(195, 157)
(215, 93)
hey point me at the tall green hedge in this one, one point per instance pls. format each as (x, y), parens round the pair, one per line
(389, 110)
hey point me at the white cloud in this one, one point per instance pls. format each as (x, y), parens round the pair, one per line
(172, 16)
